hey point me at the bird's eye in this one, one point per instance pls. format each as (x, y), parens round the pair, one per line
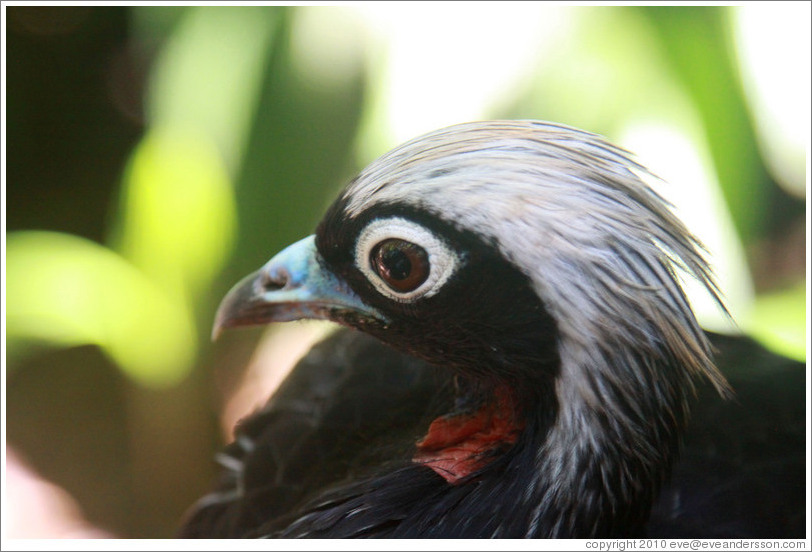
(403, 266)
(403, 260)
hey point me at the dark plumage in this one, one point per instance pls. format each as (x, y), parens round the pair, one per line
(547, 362)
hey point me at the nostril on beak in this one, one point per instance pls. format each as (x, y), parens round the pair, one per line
(287, 270)
(274, 279)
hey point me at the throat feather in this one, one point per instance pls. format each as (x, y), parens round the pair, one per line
(459, 444)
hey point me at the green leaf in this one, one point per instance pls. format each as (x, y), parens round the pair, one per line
(698, 48)
(177, 219)
(208, 75)
(66, 291)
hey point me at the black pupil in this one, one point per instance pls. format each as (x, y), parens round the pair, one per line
(396, 262)
(402, 265)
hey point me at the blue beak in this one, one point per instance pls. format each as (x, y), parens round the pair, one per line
(292, 286)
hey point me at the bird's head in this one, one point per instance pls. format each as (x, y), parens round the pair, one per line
(503, 248)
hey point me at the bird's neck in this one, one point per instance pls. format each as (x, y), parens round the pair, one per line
(600, 464)
(581, 454)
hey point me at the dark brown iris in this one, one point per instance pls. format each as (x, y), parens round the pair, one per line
(401, 264)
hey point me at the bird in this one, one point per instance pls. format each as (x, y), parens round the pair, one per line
(516, 358)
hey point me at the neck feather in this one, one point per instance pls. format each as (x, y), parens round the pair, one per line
(600, 464)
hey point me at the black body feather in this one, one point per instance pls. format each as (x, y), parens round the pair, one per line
(353, 408)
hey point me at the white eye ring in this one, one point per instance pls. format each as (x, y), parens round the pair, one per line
(442, 260)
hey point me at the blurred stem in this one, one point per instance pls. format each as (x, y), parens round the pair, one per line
(696, 42)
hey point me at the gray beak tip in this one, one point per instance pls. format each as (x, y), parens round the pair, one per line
(216, 331)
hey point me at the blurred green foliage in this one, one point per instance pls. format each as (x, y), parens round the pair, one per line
(782, 316)
(68, 291)
(699, 50)
(248, 120)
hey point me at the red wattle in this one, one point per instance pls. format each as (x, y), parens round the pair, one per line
(456, 446)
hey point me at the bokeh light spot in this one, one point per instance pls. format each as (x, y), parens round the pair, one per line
(64, 291)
